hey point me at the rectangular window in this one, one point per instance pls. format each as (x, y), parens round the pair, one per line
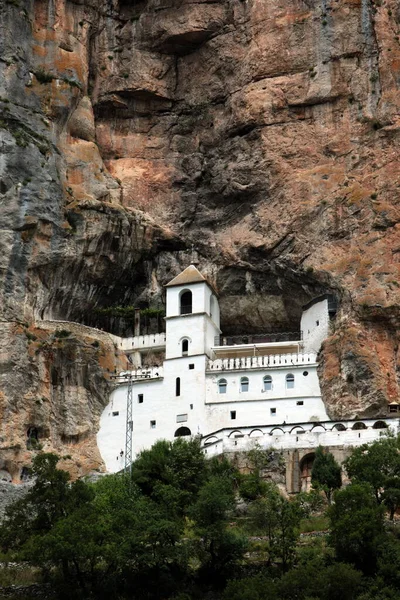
(115, 413)
(152, 424)
(272, 411)
(181, 418)
(191, 366)
(140, 398)
(191, 407)
(233, 414)
(300, 402)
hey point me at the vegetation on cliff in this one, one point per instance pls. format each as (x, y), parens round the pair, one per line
(175, 530)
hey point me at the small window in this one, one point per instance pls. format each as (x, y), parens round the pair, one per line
(185, 347)
(244, 384)
(267, 383)
(140, 398)
(191, 366)
(300, 402)
(115, 413)
(178, 386)
(272, 411)
(305, 373)
(233, 414)
(222, 385)
(289, 381)
(152, 424)
(393, 408)
(317, 323)
(191, 407)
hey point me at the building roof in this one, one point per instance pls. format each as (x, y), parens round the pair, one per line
(189, 275)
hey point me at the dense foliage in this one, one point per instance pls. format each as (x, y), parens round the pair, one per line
(177, 529)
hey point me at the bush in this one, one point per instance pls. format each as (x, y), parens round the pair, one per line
(62, 333)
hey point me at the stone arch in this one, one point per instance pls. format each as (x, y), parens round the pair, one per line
(380, 425)
(234, 433)
(318, 427)
(359, 425)
(306, 465)
(182, 431)
(296, 429)
(211, 440)
(339, 427)
(256, 433)
(277, 431)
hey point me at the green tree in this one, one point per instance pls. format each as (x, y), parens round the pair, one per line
(218, 547)
(391, 495)
(277, 519)
(376, 464)
(50, 498)
(356, 526)
(171, 468)
(326, 473)
(339, 581)
(258, 587)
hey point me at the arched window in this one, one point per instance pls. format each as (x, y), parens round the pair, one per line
(289, 381)
(244, 384)
(182, 431)
(380, 425)
(267, 383)
(359, 425)
(186, 303)
(178, 386)
(185, 347)
(222, 385)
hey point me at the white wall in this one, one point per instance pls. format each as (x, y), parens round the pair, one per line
(198, 328)
(206, 409)
(227, 442)
(253, 413)
(160, 404)
(200, 298)
(314, 334)
(304, 385)
(191, 327)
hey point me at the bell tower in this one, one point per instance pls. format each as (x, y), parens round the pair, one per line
(192, 318)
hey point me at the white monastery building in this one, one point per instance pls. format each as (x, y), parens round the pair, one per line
(228, 390)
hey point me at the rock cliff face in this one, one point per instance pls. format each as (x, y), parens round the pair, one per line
(261, 136)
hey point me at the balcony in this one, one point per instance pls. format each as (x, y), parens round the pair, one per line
(272, 337)
(270, 361)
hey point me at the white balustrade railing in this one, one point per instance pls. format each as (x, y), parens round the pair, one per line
(257, 362)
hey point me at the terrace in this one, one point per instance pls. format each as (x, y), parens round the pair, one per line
(257, 345)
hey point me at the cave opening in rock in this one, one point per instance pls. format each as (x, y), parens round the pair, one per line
(32, 441)
(251, 302)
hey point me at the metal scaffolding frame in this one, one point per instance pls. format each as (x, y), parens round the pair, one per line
(129, 427)
(127, 378)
